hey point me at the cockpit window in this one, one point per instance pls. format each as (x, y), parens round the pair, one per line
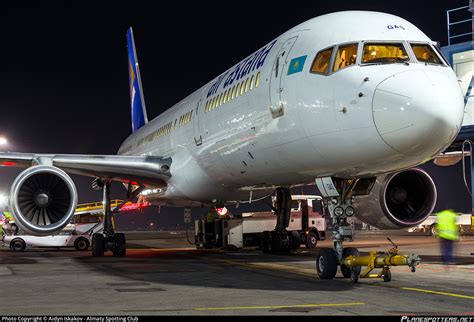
(346, 55)
(383, 53)
(425, 54)
(321, 63)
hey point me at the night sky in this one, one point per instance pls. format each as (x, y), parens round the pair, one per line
(64, 77)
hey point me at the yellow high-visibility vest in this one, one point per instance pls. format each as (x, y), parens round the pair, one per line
(446, 226)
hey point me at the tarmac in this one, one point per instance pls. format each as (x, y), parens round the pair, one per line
(164, 275)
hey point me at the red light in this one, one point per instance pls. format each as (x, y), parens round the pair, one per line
(134, 206)
(134, 183)
(9, 163)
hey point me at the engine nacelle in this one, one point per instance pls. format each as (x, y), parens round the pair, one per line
(43, 200)
(398, 200)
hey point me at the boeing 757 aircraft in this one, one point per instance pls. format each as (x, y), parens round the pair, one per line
(350, 101)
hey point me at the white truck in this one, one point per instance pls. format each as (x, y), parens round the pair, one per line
(247, 231)
(464, 221)
(87, 220)
(77, 234)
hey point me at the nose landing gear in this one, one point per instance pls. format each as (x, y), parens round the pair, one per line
(340, 209)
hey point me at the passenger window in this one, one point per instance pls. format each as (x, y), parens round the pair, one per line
(237, 91)
(251, 83)
(246, 85)
(257, 80)
(242, 87)
(321, 62)
(346, 55)
(221, 98)
(207, 106)
(233, 92)
(424, 53)
(383, 53)
(229, 91)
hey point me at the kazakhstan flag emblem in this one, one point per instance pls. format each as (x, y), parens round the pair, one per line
(296, 65)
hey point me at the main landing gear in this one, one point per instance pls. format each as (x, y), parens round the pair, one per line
(108, 239)
(280, 239)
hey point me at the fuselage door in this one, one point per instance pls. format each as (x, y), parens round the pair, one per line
(280, 65)
(198, 123)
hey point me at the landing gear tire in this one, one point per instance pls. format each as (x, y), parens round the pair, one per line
(433, 230)
(311, 240)
(81, 244)
(387, 277)
(17, 245)
(120, 248)
(346, 271)
(326, 264)
(98, 245)
(295, 240)
(355, 275)
(265, 242)
(275, 242)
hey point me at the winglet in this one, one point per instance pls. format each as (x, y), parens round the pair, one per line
(137, 100)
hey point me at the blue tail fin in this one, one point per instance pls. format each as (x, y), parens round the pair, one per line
(137, 100)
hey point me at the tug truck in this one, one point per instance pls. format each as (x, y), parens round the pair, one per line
(465, 223)
(247, 231)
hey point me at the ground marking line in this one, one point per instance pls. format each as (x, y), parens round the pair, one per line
(276, 306)
(436, 292)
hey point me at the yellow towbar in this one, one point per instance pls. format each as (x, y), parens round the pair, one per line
(383, 260)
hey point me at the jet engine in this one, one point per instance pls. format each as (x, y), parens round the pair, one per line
(398, 200)
(43, 199)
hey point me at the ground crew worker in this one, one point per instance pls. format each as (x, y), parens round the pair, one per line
(211, 217)
(447, 231)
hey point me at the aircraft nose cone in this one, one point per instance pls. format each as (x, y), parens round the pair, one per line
(418, 112)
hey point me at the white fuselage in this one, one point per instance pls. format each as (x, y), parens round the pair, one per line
(362, 120)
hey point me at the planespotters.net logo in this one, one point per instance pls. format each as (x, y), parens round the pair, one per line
(437, 319)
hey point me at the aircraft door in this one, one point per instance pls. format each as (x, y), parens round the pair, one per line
(198, 123)
(277, 103)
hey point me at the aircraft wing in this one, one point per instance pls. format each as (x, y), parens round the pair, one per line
(146, 170)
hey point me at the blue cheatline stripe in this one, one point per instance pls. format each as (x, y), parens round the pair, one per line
(296, 65)
(136, 94)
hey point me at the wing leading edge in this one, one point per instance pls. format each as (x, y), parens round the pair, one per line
(144, 170)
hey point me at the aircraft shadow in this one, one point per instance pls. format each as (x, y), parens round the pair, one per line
(213, 270)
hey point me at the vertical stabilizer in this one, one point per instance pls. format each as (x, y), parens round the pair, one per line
(137, 100)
